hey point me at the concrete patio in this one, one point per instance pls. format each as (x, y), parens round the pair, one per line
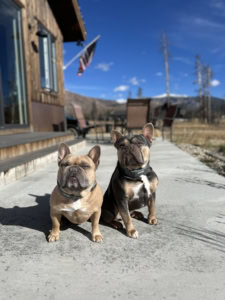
(183, 257)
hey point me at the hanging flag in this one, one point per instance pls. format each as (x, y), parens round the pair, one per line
(86, 57)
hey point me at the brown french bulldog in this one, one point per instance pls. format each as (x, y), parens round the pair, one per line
(77, 196)
(133, 183)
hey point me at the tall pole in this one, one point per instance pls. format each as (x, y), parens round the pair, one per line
(166, 60)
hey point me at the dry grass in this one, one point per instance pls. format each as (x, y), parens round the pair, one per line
(196, 133)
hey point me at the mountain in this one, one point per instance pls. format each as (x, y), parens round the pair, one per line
(190, 106)
(93, 107)
(99, 108)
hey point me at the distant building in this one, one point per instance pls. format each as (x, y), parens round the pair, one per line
(32, 33)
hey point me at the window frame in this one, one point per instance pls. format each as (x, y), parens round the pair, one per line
(49, 54)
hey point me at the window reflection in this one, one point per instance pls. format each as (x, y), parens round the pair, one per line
(12, 81)
(47, 49)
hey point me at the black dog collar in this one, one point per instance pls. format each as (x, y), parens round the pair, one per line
(134, 174)
(73, 197)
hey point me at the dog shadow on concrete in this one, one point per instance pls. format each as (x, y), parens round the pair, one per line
(36, 217)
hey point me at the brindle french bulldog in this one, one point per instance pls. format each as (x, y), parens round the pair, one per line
(133, 183)
(77, 196)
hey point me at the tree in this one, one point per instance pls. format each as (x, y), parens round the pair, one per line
(139, 93)
(204, 76)
(207, 78)
(129, 94)
(166, 60)
(198, 81)
(94, 111)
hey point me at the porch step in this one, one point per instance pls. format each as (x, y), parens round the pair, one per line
(18, 144)
(17, 167)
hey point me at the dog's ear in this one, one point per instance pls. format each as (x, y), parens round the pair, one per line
(94, 154)
(116, 136)
(63, 151)
(148, 131)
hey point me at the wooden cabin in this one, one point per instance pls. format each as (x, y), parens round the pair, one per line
(32, 33)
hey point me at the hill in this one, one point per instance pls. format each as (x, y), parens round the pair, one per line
(94, 107)
(99, 108)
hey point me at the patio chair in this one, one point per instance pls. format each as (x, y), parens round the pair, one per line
(170, 113)
(76, 121)
(137, 113)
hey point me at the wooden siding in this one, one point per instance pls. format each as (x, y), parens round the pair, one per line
(34, 12)
(48, 117)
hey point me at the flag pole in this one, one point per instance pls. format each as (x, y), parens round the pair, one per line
(78, 55)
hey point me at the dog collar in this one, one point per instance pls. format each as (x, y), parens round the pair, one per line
(73, 197)
(134, 174)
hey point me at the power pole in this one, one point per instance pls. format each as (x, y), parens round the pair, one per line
(166, 60)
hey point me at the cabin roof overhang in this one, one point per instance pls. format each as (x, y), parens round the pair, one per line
(68, 16)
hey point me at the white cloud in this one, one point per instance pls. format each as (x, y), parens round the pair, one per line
(159, 74)
(121, 88)
(171, 95)
(218, 4)
(205, 23)
(215, 83)
(105, 67)
(121, 100)
(183, 60)
(134, 81)
(71, 87)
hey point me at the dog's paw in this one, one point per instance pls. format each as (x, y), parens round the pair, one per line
(152, 220)
(97, 238)
(132, 233)
(116, 225)
(53, 237)
(137, 215)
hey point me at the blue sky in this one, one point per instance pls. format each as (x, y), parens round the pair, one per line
(128, 54)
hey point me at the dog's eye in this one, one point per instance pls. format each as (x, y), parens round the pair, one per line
(122, 145)
(65, 164)
(85, 166)
(140, 143)
(137, 142)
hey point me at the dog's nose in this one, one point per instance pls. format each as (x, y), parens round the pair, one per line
(73, 169)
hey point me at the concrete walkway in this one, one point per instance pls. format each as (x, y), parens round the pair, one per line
(183, 257)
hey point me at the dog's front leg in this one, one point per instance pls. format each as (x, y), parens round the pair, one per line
(151, 208)
(96, 235)
(54, 234)
(125, 214)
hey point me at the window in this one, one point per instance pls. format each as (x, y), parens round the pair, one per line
(48, 67)
(13, 103)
